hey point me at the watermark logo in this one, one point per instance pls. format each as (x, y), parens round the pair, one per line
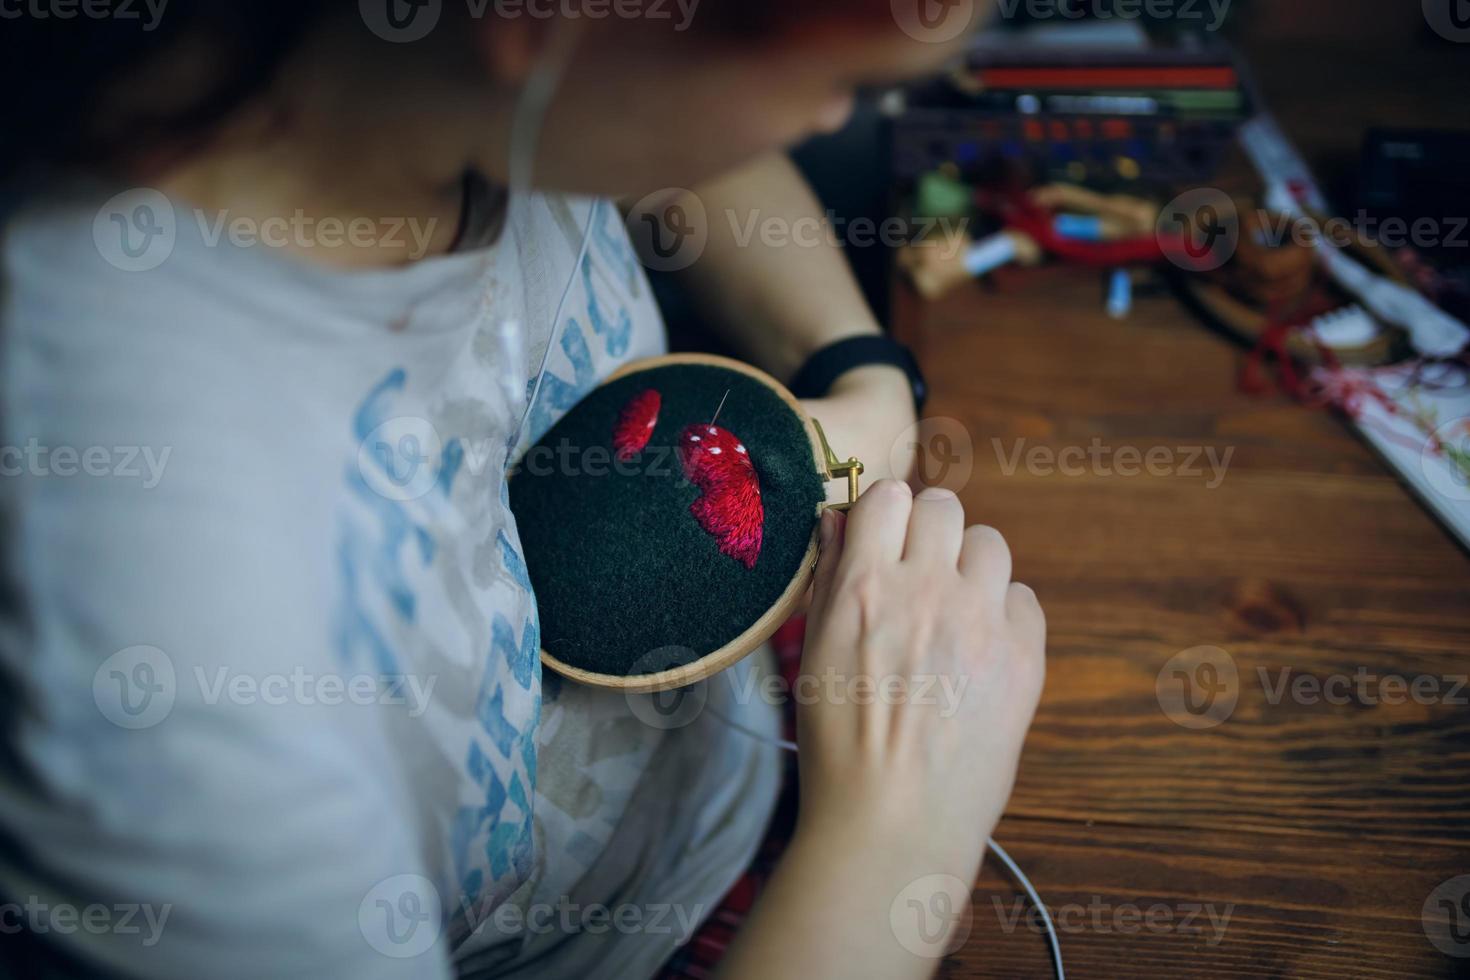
(1122, 918)
(402, 916)
(36, 459)
(1445, 459)
(934, 21)
(148, 12)
(669, 228)
(135, 688)
(1207, 14)
(932, 916)
(1097, 459)
(1446, 917)
(401, 21)
(1363, 688)
(400, 459)
(299, 230)
(567, 918)
(673, 708)
(1198, 688)
(942, 692)
(1274, 229)
(1450, 19)
(135, 231)
(940, 451)
(40, 918)
(1199, 231)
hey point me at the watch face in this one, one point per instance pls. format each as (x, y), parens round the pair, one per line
(664, 515)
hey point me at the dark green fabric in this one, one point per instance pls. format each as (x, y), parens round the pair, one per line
(626, 580)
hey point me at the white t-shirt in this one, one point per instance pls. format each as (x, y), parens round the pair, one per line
(269, 665)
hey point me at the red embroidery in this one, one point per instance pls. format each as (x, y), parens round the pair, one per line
(635, 424)
(729, 506)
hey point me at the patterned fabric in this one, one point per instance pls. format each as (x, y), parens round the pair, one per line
(329, 503)
(700, 957)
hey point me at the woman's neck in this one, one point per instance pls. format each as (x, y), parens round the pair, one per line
(343, 162)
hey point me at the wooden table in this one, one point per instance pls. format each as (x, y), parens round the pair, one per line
(1320, 828)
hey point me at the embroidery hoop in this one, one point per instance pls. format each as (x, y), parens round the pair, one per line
(828, 466)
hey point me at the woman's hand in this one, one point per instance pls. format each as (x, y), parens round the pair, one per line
(921, 614)
(923, 667)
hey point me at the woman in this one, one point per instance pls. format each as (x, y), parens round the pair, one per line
(278, 691)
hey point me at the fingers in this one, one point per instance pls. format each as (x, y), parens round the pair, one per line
(985, 559)
(878, 524)
(936, 528)
(830, 540)
(1025, 615)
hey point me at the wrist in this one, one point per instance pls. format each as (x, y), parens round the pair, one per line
(883, 387)
(842, 366)
(895, 844)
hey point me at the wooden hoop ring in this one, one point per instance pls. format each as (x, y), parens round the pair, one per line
(762, 629)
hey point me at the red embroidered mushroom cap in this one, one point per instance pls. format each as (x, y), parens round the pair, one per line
(729, 506)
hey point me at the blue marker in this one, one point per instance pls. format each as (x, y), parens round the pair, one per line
(1079, 227)
(1120, 294)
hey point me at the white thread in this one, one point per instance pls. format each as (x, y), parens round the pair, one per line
(525, 132)
(1053, 941)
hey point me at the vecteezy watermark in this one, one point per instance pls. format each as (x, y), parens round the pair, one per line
(401, 458)
(1208, 14)
(404, 458)
(1446, 917)
(936, 21)
(41, 918)
(1099, 459)
(147, 12)
(1445, 459)
(405, 21)
(932, 916)
(303, 232)
(668, 708)
(1450, 19)
(1099, 915)
(401, 916)
(1201, 687)
(1199, 230)
(137, 688)
(831, 230)
(1198, 688)
(940, 451)
(676, 707)
(565, 917)
(1364, 688)
(144, 463)
(569, 459)
(137, 230)
(945, 692)
(1277, 229)
(671, 228)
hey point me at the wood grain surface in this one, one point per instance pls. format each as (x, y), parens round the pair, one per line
(1321, 827)
(1325, 825)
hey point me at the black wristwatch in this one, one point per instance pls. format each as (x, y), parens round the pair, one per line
(823, 368)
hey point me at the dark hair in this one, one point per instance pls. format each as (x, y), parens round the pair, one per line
(64, 80)
(68, 84)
